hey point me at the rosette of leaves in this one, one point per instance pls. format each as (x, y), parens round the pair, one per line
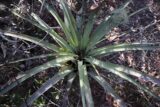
(76, 52)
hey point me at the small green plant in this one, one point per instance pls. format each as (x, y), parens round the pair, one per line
(76, 54)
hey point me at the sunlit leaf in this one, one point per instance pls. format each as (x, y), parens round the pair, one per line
(32, 39)
(86, 95)
(23, 76)
(52, 33)
(71, 78)
(121, 68)
(125, 47)
(60, 21)
(111, 68)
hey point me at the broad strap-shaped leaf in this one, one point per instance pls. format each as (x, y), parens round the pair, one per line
(46, 86)
(108, 89)
(30, 58)
(59, 20)
(121, 68)
(71, 78)
(86, 95)
(125, 47)
(81, 82)
(23, 76)
(118, 17)
(40, 21)
(129, 79)
(87, 31)
(38, 57)
(111, 68)
(70, 22)
(32, 39)
(50, 31)
(44, 24)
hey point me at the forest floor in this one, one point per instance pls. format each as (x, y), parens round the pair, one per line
(142, 27)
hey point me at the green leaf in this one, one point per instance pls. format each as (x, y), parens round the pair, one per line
(59, 20)
(30, 58)
(71, 78)
(46, 86)
(124, 76)
(52, 33)
(130, 71)
(39, 56)
(23, 76)
(70, 22)
(108, 89)
(87, 31)
(111, 68)
(40, 21)
(125, 47)
(45, 25)
(82, 86)
(118, 17)
(32, 39)
(86, 95)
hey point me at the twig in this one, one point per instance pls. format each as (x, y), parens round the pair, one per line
(42, 6)
(36, 45)
(152, 24)
(132, 14)
(50, 101)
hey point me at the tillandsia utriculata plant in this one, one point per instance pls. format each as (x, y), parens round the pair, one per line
(77, 54)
